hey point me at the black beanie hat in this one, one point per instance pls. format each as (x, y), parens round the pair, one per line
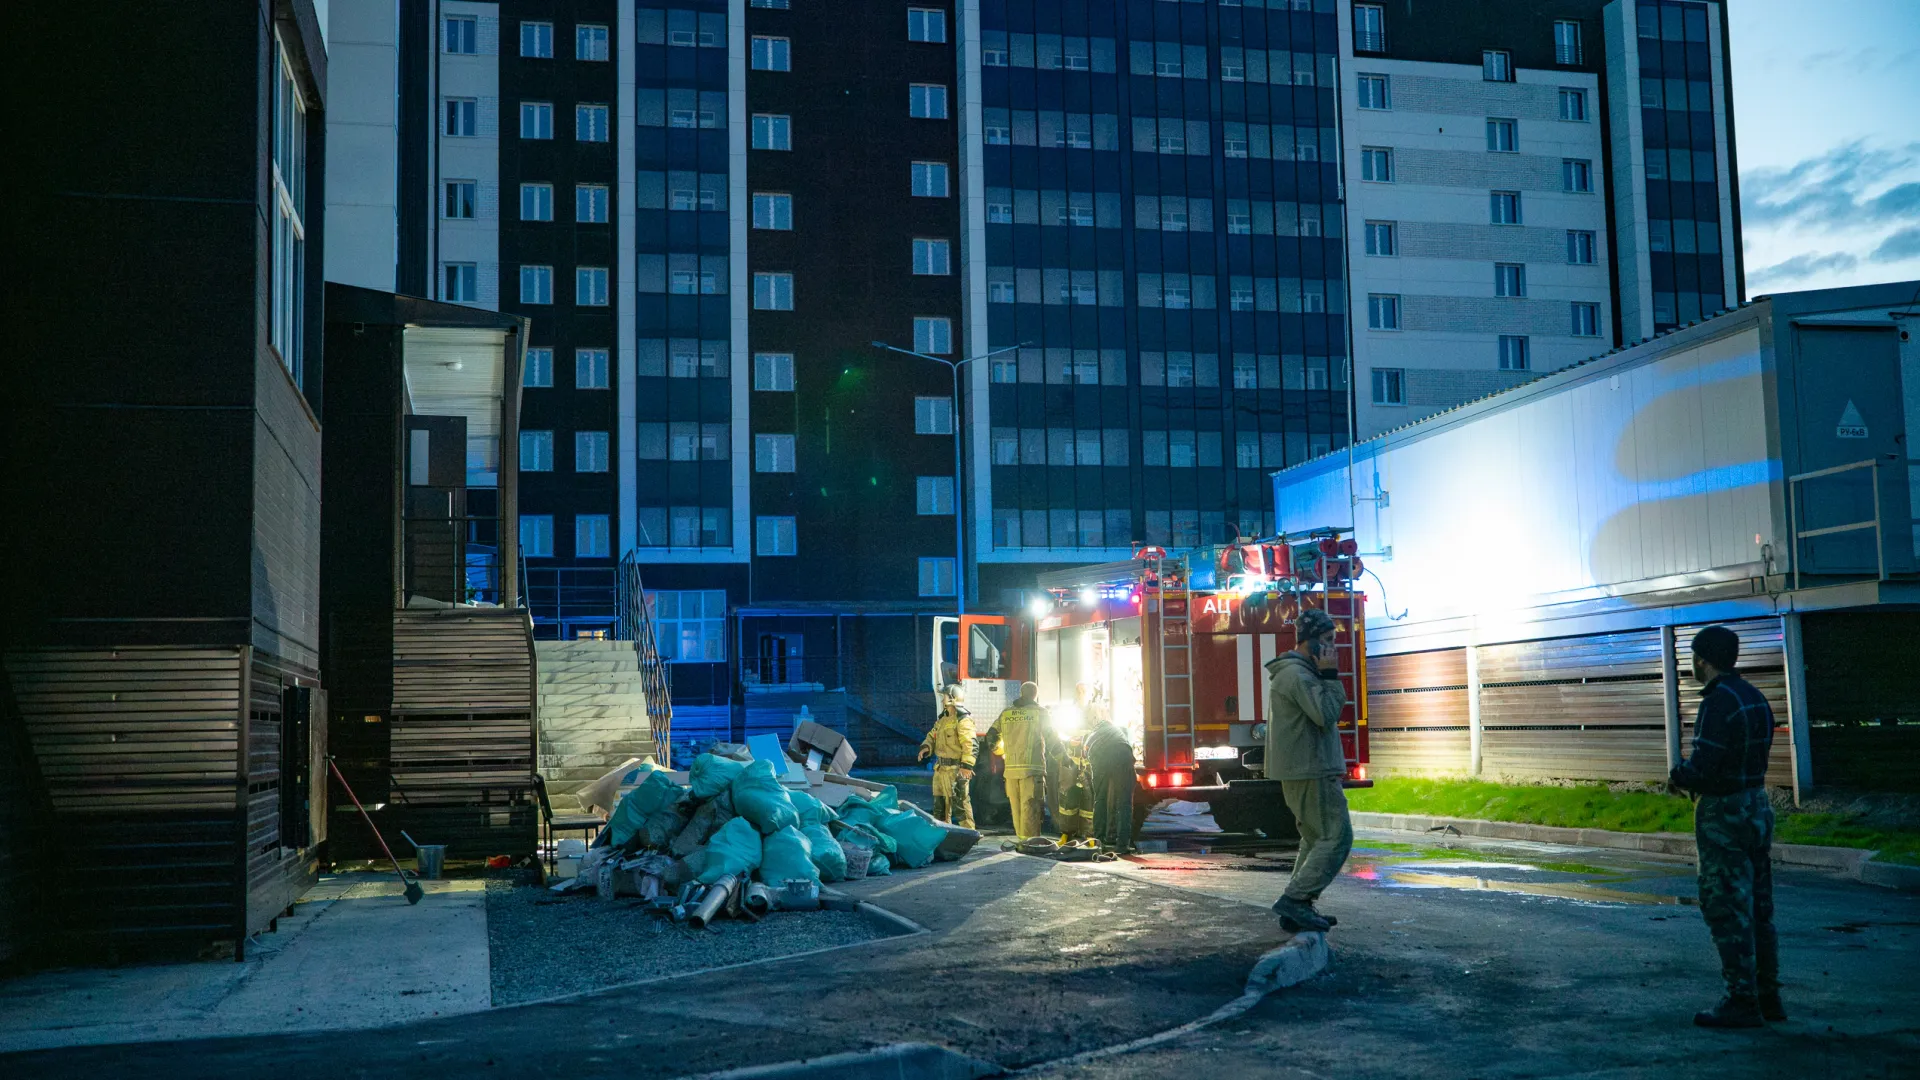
(1718, 646)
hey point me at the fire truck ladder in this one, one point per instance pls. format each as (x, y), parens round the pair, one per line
(1176, 662)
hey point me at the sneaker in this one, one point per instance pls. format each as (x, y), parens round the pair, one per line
(1732, 1012)
(1296, 916)
(1770, 1006)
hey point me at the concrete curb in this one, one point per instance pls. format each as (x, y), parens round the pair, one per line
(1855, 863)
(922, 1061)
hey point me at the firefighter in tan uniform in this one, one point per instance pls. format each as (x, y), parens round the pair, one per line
(951, 746)
(1020, 737)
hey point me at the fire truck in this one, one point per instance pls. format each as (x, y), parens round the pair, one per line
(1174, 647)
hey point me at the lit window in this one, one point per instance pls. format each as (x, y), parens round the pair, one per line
(773, 371)
(927, 101)
(933, 495)
(1509, 279)
(1573, 104)
(772, 211)
(772, 53)
(590, 123)
(1373, 92)
(1580, 247)
(589, 42)
(773, 453)
(1369, 28)
(774, 536)
(930, 179)
(1505, 207)
(536, 284)
(1389, 386)
(932, 416)
(1513, 353)
(1577, 175)
(932, 335)
(589, 368)
(590, 286)
(1383, 312)
(589, 451)
(590, 203)
(462, 35)
(772, 132)
(778, 5)
(926, 24)
(691, 627)
(773, 292)
(536, 40)
(536, 451)
(536, 535)
(460, 283)
(936, 577)
(462, 199)
(1381, 238)
(1566, 42)
(590, 536)
(932, 257)
(1503, 136)
(1496, 65)
(1586, 320)
(539, 367)
(536, 202)
(1376, 164)
(462, 118)
(536, 120)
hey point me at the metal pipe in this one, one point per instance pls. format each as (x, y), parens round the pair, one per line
(711, 902)
(758, 898)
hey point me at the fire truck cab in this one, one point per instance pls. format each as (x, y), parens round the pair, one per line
(1174, 647)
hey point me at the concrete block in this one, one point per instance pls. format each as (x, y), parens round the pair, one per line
(1891, 875)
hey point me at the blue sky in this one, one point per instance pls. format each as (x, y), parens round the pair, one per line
(1828, 146)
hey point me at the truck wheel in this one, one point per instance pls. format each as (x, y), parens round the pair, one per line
(1266, 811)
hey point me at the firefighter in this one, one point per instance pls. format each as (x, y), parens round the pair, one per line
(1110, 760)
(951, 745)
(1019, 736)
(1067, 771)
(1304, 700)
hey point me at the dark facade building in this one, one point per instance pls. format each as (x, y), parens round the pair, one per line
(160, 411)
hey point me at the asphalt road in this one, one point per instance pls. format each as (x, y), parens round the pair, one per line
(1482, 960)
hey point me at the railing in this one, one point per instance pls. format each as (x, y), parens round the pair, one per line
(562, 594)
(633, 622)
(1875, 523)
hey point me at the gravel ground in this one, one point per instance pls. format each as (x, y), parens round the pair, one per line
(543, 945)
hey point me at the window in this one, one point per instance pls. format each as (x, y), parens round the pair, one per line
(1580, 245)
(1503, 136)
(936, 577)
(462, 35)
(1000, 292)
(536, 120)
(1577, 175)
(1376, 164)
(590, 203)
(1586, 320)
(1389, 386)
(1573, 104)
(1513, 353)
(1383, 311)
(932, 257)
(772, 211)
(772, 53)
(590, 536)
(773, 453)
(289, 273)
(774, 536)
(536, 535)
(589, 368)
(1496, 65)
(536, 284)
(590, 123)
(536, 40)
(691, 627)
(1506, 207)
(932, 335)
(462, 118)
(773, 292)
(1381, 238)
(779, 5)
(590, 286)
(1509, 279)
(1373, 92)
(539, 369)
(1369, 28)
(932, 416)
(930, 179)
(460, 283)
(536, 451)
(773, 371)
(1566, 42)
(926, 24)
(589, 42)
(462, 198)
(933, 495)
(927, 101)
(536, 202)
(589, 451)
(772, 132)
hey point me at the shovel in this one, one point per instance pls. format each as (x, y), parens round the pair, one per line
(413, 890)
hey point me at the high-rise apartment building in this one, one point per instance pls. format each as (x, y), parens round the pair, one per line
(1529, 185)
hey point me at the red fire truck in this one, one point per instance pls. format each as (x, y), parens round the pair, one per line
(1174, 646)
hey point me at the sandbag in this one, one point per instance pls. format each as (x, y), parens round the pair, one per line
(652, 795)
(711, 775)
(661, 828)
(881, 866)
(758, 797)
(827, 856)
(735, 849)
(862, 832)
(706, 821)
(786, 855)
(810, 810)
(917, 838)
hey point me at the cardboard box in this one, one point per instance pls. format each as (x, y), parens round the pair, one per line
(836, 753)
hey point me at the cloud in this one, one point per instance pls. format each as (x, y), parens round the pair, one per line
(1904, 244)
(1833, 188)
(1794, 270)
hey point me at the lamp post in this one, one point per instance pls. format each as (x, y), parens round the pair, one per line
(959, 522)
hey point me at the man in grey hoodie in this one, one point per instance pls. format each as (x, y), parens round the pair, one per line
(1304, 700)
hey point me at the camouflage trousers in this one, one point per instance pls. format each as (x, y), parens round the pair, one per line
(1734, 835)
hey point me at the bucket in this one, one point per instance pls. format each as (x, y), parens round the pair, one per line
(429, 859)
(858, 858)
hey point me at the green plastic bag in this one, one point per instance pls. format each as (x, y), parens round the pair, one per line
(734, 849)
(712, 775)
(915, 836)
(811, 810)
(865, 832)
(786, 855)
(827, 856)
(881, 866)
(652, 795)
(758, 797)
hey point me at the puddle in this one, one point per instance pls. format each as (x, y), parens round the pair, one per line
(1416, 879)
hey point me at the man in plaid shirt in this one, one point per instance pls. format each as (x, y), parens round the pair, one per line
(1733, 831)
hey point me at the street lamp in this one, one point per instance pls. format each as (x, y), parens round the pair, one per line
(959, 523)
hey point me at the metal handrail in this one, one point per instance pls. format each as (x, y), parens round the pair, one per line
(633, 622)
(1793, 515)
